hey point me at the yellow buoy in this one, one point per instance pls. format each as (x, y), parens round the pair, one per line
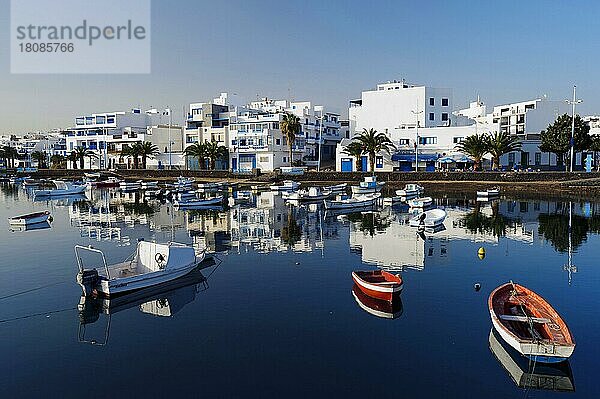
(481, 253)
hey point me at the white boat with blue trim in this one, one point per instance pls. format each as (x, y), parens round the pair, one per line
(62, 188)
(370, 185)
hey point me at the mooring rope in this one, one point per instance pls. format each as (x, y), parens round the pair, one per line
(33, 289)
(36, 314)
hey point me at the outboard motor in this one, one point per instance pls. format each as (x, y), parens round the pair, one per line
(87, 279)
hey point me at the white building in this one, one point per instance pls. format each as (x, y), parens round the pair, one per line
(106, 134)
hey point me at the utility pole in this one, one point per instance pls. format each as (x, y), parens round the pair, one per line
(417, 112)
(573, 102)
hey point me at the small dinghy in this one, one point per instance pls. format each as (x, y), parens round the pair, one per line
(338, 188)
(377, 307)
(378, 284)
(492, 192)
(410, 190)
(369, 185)
(198, 203)
(183, 183)
(29, 219)
(152, 264)
(529, 324)
(423, 202)
(62, 188)
(110, 182)
(430, 218)
(130, 185)
(355, 202)
(286, 185)
(392, 200)
(148, 184)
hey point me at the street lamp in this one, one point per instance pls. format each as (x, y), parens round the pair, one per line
(573, 102)
(417, 112)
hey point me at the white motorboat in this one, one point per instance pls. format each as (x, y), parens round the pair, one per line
(130, 185)
(392, 200)
(492, 192)
(184, 196)
(430, 218)
(184, 182)
(29, 218)
(148, 184)
(337, 188)
(198, 203)
(286, 185)
(150, 265)
(423, 202)
(354, 202)
(410, 190)
(312, 194)
(212, 185)
(369, 185)
(62, 188)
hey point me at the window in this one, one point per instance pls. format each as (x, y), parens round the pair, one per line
(444, 117)
(263, 159)
(511, 158)
(277, 141)
(431, 101)
(379, 162)
(427, 140)
(284, 159)
(431, 116)
(444, 102)
(457, 140)
(404, 142)
(79, 121)
(100, 120)
(538, 158)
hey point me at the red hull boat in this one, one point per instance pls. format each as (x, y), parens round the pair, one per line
(378, 284)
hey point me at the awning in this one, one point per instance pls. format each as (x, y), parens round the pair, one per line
(411, 157)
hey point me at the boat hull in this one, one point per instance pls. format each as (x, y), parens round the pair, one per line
(384, 293)
(350, 205)
(25, 220)
(59, 192)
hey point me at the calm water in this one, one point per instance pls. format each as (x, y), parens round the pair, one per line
(276, 316)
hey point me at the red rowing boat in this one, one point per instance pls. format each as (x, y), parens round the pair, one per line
(528, 323)
(378, 284)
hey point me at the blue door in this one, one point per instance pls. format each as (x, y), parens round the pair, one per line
(406, 167)
(233, 163)
(365, 162)
(430, 167)
(346, 165)
(253, 162)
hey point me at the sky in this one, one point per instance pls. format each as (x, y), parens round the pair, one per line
(327, 52)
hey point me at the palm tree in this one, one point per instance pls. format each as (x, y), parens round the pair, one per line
(10, 153)
(355, 149)
(57, 161)
(500, 143)
(476, 147)
(81, 153)
(146, 149)
(132, 151)
(3, 157)
(198, 151)
(290, 127)
(215, 151)
(72, 157)
(373, 143)
(40, 157)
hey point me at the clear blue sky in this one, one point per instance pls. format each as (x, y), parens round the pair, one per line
(327, 52)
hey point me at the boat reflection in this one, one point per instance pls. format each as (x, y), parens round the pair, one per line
(377, 307)
(528, 374)
(30, 227)
(163, 300)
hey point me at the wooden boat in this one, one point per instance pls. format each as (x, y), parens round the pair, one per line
(286, 185)
(130, 185)
(378, 284)
(410, 190)
(369, 185)
(430, 218)
(492, 192)
(95, 175)
(62, 188)
(148, 184)
(377, 307)
(528, 374)
(198, 203)
(30, 227)
(183, 182)
(392, 200)
(354, 202)
(529, 324)
(422, 202)
(212, 185)
(152, 264)
(337, 188)
(312, 194)
(29, 218)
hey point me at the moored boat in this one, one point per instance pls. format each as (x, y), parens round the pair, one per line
(130, 185)
(378, 284)
(353, 202)
(312, 194)
(198, 203)
(286, 185)
(152, 264)
(369, 185)
(336, 188)
(410, 190)
(430, 218)
(422, 202)
(29, 218)
(110, 182)
(492, 192)
(148, 184)
(392, 200)
(529, 324)
(62, 188)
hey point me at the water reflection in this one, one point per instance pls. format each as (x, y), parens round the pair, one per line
(377, 307)
(528, 374)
